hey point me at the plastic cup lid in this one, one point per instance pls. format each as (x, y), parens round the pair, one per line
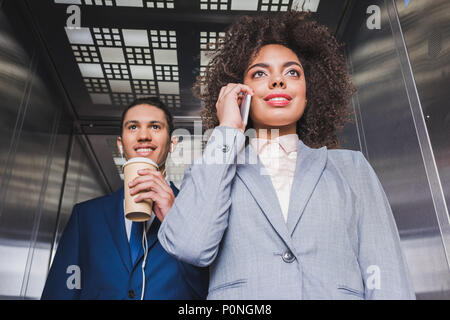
(140, 159)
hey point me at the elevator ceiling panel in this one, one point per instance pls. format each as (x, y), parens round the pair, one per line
(124, 49)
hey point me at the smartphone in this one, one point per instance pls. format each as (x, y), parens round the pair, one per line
(245, 108)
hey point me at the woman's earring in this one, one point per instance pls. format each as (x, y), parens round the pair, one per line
(121, 151)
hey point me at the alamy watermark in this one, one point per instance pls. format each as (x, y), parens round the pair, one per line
(226, 146)
(74, 20)
(373, 281)
(74, 280)
(374, 20)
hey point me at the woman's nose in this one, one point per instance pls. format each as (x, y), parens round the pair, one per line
(278, 82)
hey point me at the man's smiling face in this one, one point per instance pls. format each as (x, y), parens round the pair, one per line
(145, 133)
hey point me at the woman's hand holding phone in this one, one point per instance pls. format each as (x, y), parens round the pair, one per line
(227, 106)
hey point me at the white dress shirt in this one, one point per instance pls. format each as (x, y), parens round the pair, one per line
(279, 157)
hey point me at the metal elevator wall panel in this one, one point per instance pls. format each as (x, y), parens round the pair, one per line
(428, 48)
(81, 184)
(32, 170)
(35, 136)
(31, 184)
(388, 138)
(15, 80)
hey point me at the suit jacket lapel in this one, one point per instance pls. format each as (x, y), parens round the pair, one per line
(114, 215)
(309, 167)
(262, 190)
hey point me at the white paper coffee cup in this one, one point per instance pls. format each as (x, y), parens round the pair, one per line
(136, 211)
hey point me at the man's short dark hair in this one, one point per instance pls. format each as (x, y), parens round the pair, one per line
(152, 101)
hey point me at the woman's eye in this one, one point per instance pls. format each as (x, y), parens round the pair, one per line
(155, 127)
(132, 127)
(294, 73)
(258, 74)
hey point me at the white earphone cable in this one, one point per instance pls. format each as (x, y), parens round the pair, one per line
(145, 247)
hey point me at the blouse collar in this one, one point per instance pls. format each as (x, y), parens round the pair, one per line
(288, 142)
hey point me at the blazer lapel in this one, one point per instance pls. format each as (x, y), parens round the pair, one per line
(260, 186)
(309, 167)
(114, 215)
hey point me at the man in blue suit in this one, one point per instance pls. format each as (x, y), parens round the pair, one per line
(100, 255)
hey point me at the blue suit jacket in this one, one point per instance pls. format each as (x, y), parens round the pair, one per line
(95, 240)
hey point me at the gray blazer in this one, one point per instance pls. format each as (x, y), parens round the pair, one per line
(340, 240)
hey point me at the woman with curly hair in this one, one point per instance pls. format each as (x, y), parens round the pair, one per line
(305, 220)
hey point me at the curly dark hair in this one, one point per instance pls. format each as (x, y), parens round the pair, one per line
(328, 83)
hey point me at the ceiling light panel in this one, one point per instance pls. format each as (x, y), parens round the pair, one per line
(123, 98)
(163, 39)
(214, 5)
(167, 73)
(208, 43)
(142, 72)
(85, 53)
(165, 57)
(120, 65)
(68, 1)
(112, 54)
(167, 4)
(129, 3)
(91, 70)
(152, 4)
(208, 40)
(135, 38)
(107, 37)
(122, 86)
(244, 5)
(139, 55)
(79, 35)
(100, 98)
(169, 88)
(170, 99)
(274, 5)
(259, 5)
(144, 87)
(94, 85)
(108, 3)
(116, 71)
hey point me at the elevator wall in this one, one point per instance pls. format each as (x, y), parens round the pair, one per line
(390, 132)
(44, 168)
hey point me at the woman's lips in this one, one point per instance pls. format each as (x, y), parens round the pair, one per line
(278, 99)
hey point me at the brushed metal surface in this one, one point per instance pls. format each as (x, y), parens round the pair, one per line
(390, 141)
(81, 184)
(428, 49)
(34, 140)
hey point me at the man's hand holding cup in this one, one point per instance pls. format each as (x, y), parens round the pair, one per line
(151, 186)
